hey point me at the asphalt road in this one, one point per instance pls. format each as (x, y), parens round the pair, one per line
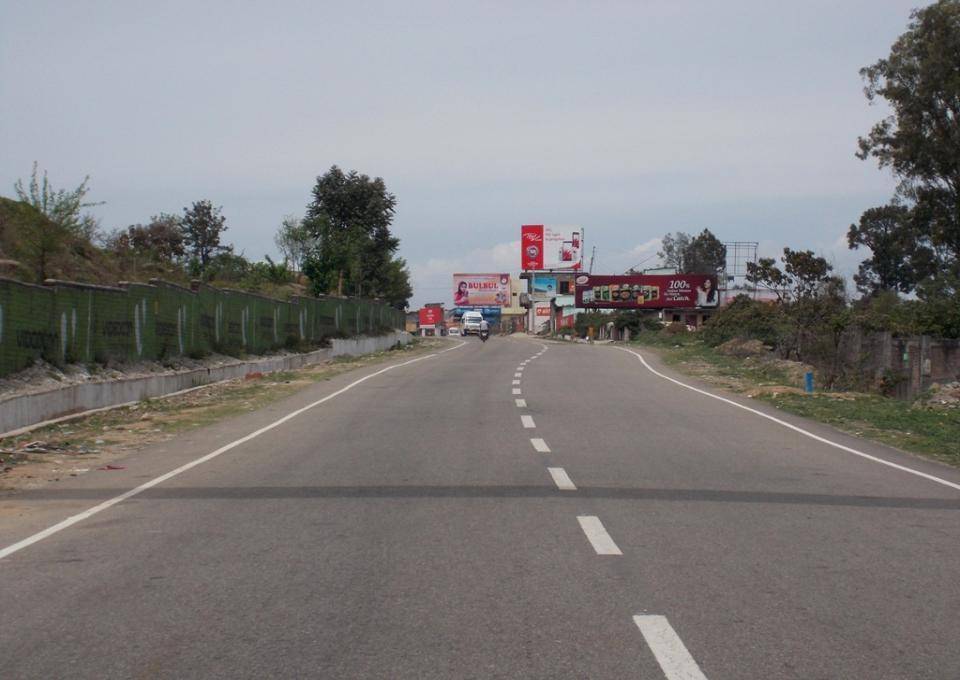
(424, 523)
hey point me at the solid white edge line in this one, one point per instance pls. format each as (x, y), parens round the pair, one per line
(516, 390)
(562, 479)
(784, 423)
(521, 403)
(527, 422)
(540, 445)
(597, 535)
(669, 650)
(70, 521)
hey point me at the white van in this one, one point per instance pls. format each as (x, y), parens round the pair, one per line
(470, 323)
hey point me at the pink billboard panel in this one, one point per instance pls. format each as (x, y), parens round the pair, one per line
(481, 290)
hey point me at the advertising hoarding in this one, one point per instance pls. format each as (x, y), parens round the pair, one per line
(431, 316)
(544, 286)
(489, 313)
(481, 290)
(647, 291)
(543, 247)
(541, 317)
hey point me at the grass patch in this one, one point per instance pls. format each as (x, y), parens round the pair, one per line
(926, 430)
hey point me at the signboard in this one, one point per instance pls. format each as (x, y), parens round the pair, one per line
(487, 312)
(647, 291)
(541, 317)
(431, 316)
(544, 286)
(481, 290)
(551, 248)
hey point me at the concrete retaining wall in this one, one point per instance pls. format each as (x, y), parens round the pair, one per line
(22, 411)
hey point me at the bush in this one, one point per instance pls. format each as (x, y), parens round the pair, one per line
(746, 319)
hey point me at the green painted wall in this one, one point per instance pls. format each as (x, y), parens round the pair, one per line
(65, 323)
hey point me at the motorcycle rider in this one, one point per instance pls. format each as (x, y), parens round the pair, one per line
(484, 330)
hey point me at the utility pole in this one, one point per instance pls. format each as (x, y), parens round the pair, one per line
(592, 256)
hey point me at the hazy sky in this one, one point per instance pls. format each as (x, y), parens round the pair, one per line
(630, 119)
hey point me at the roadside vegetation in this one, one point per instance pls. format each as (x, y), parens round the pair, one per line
(929, 426)
(343, 246)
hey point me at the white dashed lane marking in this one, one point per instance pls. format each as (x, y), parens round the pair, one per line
(562, 479)
(516, 382)
(527, 422)
(518, 374)
(516, 390)
(521, 403)
(668, 648)
(598, 536)
(540, 445)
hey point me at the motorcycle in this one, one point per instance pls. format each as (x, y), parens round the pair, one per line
(484, 335)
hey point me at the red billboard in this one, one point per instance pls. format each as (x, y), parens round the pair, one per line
(544, 247)
(647, 291)
(431, 316)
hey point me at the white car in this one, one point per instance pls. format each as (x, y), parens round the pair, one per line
(470, 323)
(453, 331)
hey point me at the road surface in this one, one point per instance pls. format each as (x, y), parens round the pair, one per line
(514, 509)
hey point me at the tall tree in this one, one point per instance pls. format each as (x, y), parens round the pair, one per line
(202, 226)
(804, 275)
(294, 241)
(920, 141)
(673, 251)
(887, 231)
(705, 254)
(350, 217)
(63, 207)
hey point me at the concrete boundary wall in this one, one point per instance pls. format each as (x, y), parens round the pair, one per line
(21, 412)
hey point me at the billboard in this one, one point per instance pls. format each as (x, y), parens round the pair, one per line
(541, 317)
(544, 286)
(647, 291)
(481, 290)
(553, 248)
(431, 316)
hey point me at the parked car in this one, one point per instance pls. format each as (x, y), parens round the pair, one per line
(470, 323)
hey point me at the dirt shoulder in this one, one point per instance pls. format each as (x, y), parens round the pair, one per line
(929, 427)
(68, 449)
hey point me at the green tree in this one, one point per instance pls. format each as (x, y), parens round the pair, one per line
(705, 254)
(350, 217)
(894, 251)
(63, 207)
(920, 140)
(700, 254)
(804, 275)
(294, 240)
(202, 226)
(674, 249)
(161, 239)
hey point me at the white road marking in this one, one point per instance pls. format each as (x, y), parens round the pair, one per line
(527, 422)
(794, 427)
(540, 445)
(521, 403)
(516, 382)
(562, 479)
(668, 648)
(516, 390)
(518, 375)
(598, 536)
(70, 521)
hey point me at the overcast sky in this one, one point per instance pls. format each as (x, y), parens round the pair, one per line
(630, 119)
